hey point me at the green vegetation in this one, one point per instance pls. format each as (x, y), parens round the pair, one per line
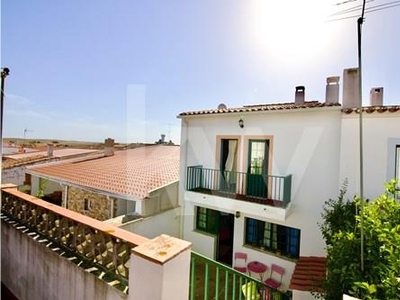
(341, 229)
(42, 186)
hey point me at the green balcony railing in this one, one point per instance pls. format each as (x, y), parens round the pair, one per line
(273, 190)
(212, 280)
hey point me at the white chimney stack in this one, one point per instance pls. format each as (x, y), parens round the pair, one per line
(376, 96)
(332, 89)
(300, 94)
(351, 88)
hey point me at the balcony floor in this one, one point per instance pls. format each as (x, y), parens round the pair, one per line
(264, 201)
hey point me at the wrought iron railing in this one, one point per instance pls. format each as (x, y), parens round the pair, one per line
(212, 280)
(98, 248)
(240, 185)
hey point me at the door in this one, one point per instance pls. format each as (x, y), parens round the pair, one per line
(225, 238)
(257, 168)
(228, 164)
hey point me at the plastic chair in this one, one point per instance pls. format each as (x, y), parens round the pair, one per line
(240, 262)
(275, 278)
(250, 291)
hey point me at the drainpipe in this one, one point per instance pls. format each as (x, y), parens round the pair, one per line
(184, 139)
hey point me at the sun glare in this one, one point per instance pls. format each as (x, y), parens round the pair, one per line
(289, 30)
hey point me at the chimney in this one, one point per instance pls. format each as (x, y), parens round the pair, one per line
(351, 88)
(332, 90)
(109, 147)
(299, 95)
(376, 96)
(50, 148)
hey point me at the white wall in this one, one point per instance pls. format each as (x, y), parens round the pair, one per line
(163, 198)
(14, 175)
(379, 129)
(300, 295)
(167, 222)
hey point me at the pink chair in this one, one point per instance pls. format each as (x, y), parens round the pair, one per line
(275, 278)
(240, 262)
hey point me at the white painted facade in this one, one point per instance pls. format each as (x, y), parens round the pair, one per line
(319, 147)
(381, 139)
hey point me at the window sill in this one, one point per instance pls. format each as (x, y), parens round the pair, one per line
(265, 251)
(205, 233)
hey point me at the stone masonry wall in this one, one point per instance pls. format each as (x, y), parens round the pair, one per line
(100, 207)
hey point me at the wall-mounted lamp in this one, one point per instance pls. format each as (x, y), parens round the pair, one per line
(237, 215)
(241, 123)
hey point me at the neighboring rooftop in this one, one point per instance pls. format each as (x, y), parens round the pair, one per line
(130, 174)
(309, 274)
(57, 153)
(34, 157)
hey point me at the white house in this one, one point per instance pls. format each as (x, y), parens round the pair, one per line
(254, 179)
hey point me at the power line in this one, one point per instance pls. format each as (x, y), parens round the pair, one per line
(369, 10)
(350, 9)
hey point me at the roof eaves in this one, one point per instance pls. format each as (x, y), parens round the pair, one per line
(84, 187)
(373, 109)
(263, 107)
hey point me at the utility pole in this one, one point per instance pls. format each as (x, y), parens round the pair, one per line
(4, 73)
(360, 21)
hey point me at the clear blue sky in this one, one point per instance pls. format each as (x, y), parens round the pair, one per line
(88, 70)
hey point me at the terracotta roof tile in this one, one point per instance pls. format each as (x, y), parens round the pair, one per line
(260, 107)
(309, 274)
(131, 173)
(289, 106)
(373, 109)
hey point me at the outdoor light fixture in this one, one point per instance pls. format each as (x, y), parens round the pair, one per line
(241, 123)
(237, 215)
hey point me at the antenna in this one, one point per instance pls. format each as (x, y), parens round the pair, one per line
(26, 130)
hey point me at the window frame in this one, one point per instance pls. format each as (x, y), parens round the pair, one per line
(209, 217)
(278, 239)
(87, 204)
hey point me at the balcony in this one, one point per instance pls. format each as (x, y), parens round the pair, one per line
(257, 188)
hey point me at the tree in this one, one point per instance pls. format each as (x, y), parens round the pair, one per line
(341, 229)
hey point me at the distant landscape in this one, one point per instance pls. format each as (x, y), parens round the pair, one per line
(41, 144)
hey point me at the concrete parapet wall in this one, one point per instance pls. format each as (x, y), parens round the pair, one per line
(33, 272)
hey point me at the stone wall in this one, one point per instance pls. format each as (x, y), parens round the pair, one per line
(100, 207)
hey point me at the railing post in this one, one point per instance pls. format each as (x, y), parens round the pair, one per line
(160, 269)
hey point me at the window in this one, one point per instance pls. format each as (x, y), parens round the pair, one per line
(28, 179)
(87, 204)
(207, 220)
(275, 238)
